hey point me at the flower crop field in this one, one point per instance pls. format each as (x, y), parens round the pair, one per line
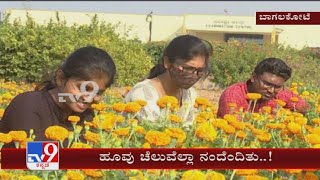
(115, 126)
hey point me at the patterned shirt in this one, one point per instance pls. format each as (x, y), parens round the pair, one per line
(146, 91)
(236, 93)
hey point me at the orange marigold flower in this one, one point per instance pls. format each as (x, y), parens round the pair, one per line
(255, 177)
(200, 101)
(119, 107)
(253, 96)
(74, 119)
(316, 121)
(99, 107)
(139, 129)
(122, 131)
(146, 145)
(301, 120)
(280, 102)
(200, 119)
(92, 137)
(92, 173)
(229, 129)
(132, 107)
(266, 109)
(157, 138)
(80, 145)
(5, 138)
(232, 104)
(243, 172)
(141, 102)
(18, 135)
(177, 133)
(73, 175)
(272, 125)
(206, 131)
(168, 101)
(266, 137)
(307, 176)
(294, 99)
(241, 134)
(174, 118)
(230, 118)
(57, 133)
(119, 118)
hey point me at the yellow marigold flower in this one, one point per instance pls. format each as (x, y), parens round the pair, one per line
(295, 128)
(1, 113)
(272, 125)
(193, 175)
(253, 96)
(316, 121)
(119, 107)
(230, 118)
(74, 119)
(296, 114)
(92, 173)
(307, 176)
(174, 118)
(232, 105)
(99, 107)
(206, 115)
(122, 131)
(107, 121)
(294, 84)
(316, 146)
(177, 133)
(255, 177)
(18, 135)
(157, 138)
(133, 122)
(200, 119)
(280, 102)
(301, 120)
(57, 133)
(258, 132)
(23, 144)
(313, 138)
(200, 101)
(119, 119)
(5, 175)
(219, 123)
(294, 99)
(92, 137)
(305, 93)
(167, 101)
(141, 102)
(264, 137)
(215, 176)
(293, 171)
(5, 138)
(146, 145)
(29, 177)
(154, 172)
(73, 175)
(132, 107)
(140, 130)
(266, 109)
(86, 123)
(80, 145)
(228, 129)
(238, 125)
(315, 130)
(241, 134)
(243, 172)
(206, 131)
(281, 126)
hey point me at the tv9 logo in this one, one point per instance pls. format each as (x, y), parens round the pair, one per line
(88, 95)
(42, 155)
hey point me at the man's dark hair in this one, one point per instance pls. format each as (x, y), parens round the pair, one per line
(274, 66)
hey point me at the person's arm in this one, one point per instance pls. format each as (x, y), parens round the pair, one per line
(300, 106)
(21, 115)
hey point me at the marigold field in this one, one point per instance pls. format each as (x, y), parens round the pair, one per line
(115, 126)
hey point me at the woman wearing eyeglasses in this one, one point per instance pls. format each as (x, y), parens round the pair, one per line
(185, 60)
(268, 80)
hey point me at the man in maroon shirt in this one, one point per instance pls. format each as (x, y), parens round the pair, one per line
(267, 79)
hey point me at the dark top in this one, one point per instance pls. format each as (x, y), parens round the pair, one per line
(37, 110)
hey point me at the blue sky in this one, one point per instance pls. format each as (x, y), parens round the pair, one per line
(165, 8)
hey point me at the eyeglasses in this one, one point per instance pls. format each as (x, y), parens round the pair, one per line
(191, 70)
(270, 85)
